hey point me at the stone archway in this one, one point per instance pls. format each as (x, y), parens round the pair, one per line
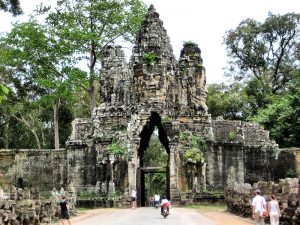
(153, 122)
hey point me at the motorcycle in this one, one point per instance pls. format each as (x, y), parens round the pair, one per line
(165, 211)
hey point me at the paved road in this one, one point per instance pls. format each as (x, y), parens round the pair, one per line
(146, 216)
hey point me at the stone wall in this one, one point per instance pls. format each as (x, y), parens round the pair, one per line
(46, 169)
(238, 197)
(26, 206)
(219, 159)
(34, 168)
(244, 146)
(81, 168)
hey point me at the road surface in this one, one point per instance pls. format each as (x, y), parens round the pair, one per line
(151, 216)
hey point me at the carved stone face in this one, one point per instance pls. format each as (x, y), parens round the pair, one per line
(13, 194)
(26, 194)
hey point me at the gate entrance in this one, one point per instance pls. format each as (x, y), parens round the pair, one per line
(154, 156)
(141, 180)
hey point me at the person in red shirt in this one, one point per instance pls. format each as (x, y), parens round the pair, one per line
(164, 203)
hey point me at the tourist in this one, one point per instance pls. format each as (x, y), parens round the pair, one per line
(64, 210)
(274, 211)
(156, 200)
(151, 201)
(133, 198)
(258, 205)
(164, 203)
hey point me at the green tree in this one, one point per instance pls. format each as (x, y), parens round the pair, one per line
(258, 94)
(46, 57)
(282, 116)
(30, 124)
(12, 6)
(40, 72)
(3, 91)
(3, 88)
(229, 101)
(87, 27)
(264, 49)
(265, 56)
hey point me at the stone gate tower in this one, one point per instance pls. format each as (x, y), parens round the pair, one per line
(154, 90)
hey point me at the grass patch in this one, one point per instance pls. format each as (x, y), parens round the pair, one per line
(82, 210)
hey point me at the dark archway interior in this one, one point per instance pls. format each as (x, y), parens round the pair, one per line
(154, 121)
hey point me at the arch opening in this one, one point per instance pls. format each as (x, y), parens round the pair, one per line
(148, 172)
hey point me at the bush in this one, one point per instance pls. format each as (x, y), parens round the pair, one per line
(149, 58)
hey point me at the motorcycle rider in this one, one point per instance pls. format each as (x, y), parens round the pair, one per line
(164, 203)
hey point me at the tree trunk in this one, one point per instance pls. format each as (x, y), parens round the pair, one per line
(6, 136)
(33, 131)
(43, 138)
(36, 138)
(92, 97)
(55, 122)
(93, 59)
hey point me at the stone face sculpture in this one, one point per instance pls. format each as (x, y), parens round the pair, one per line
(72, 196)
(25, 207)
(1, 194)
(29, 206)
(62, 191)
(7, 209)
(54, 192)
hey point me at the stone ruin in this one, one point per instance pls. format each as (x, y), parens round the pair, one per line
(27, 207)
(170, 96)
(238, 197)
(154, 91)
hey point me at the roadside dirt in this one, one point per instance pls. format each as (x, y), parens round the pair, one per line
(224, 218)
(92, 212)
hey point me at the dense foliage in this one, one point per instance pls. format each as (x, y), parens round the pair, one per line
(41, 67)
(86, 27)
(155, 156)
(116, 148)
(264, 61)
(196, 146)
(42, 86)
(12, 6)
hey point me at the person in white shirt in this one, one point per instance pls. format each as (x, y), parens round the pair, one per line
(164, 203)
(274, 211)
(133, 198)
(156, 200)
(258, 204)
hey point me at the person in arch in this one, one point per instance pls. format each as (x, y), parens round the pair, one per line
(133, 199)
(156, 200)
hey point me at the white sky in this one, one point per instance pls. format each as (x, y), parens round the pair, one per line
(201, 21)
